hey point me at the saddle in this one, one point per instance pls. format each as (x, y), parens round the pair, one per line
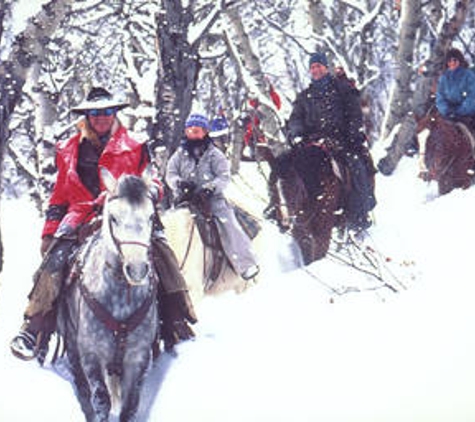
(200, 206)
(314, 160)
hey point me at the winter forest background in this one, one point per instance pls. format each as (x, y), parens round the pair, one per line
(409, 359)
(172, 56)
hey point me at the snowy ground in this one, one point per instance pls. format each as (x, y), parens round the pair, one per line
(288, 349)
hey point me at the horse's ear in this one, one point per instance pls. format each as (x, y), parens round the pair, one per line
(110, 182)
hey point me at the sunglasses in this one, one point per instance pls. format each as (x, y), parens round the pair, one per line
(101, 112)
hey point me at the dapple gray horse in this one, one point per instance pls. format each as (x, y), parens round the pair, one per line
(109, 319)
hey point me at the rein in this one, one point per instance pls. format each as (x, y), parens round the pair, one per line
(188, 246)
(194, 225)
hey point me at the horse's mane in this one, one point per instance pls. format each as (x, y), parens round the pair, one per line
(310, 163)
(133, 189)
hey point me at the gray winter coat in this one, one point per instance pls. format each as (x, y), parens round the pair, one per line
(212, 171)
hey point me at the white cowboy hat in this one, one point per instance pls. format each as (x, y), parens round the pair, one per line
(99, 98)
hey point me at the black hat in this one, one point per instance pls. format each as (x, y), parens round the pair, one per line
(99, 98)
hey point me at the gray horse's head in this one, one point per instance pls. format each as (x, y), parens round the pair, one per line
(127, 226)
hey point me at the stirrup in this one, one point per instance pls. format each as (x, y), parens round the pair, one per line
(26, 345)
(270, 213)
(251, 272)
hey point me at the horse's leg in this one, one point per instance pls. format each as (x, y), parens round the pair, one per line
(100, 398)
(131, 386)
(81, 384)
(67, 318)
(325, 219)
(305, 241)
(445, 184)
(464, 169)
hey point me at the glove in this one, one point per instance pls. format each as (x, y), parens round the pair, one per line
(451, 115)
(205, 193)
(296, 141)
(187, 191)
(187, 187)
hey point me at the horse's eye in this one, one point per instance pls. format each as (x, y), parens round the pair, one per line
(113, 220)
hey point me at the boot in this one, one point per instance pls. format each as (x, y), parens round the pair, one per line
(32, 340)
(177, 312)
(40, 318)
(26, 345)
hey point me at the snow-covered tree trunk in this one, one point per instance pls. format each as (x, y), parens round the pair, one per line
(317, 16)
(235, 127)
(253, 76)
(401, 95)
(177, 73)
(27, 49)
(3, 13)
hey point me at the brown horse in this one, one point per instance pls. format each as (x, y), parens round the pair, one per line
(445, 151)
(308, 196)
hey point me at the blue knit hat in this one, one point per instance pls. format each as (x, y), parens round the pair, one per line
(318, 57)
(197, 120)
(219, 127)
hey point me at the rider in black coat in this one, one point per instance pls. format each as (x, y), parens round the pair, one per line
(330, 109)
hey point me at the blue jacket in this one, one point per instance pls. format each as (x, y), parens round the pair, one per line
(456, 93)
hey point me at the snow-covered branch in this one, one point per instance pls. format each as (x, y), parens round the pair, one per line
(196, 32)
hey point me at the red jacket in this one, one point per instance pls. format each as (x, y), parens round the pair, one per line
(71, 203)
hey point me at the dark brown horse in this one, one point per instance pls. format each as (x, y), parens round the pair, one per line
(308, 196)
(446, 152)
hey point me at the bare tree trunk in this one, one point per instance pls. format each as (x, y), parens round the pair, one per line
(422, 95)
(317, 16)
(177, 73)
(270, 123)
(236, 128)
(27, 49)
(400, 99)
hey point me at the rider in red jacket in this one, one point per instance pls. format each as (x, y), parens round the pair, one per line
(76, 199)
(72, 202)
(252, 131)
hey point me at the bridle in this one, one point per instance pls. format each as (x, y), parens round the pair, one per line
(120, 243)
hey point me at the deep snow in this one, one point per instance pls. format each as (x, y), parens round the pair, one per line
(287, 349)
